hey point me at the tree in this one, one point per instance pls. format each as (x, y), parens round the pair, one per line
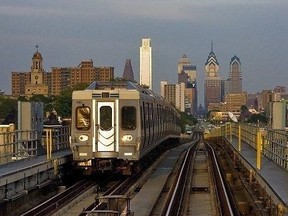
(256, 118)
(63, 102)
(187, 119)
(7, 106)
(46, 100)
(245, 113)
(22, 98)
(39, 98)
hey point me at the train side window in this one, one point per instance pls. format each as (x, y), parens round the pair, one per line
(128, 118)
(106, 118)
(83, 116)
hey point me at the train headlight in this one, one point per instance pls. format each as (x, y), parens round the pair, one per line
(85, 163)
(127, 138)
(83, 138)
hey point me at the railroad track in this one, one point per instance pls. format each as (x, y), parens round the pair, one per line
(115, 200)
(55, 203)
(226, 206)
(112, 200)
(196, 188)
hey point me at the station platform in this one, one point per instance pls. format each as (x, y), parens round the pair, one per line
(142, 203)
(270, 176)
(21, 171)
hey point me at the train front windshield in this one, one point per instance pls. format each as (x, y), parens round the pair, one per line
(83, 116)
(128, 118)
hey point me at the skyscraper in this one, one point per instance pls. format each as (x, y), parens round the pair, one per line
(235, 76)
(146, 63)
(183, 61)
(212, 88)
(128, 71)
(187, 74)
(185, 65)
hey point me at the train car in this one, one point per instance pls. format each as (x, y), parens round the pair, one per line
(115, 124)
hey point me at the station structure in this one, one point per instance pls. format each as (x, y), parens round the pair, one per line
(31, 153)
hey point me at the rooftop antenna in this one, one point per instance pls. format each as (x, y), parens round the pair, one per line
(212, 46)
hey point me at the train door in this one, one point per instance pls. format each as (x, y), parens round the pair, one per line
(105, 129)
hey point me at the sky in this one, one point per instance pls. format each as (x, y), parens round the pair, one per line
(109, 32)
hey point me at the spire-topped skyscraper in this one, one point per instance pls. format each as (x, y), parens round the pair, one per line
(235, 75)
(128, 71)
(212, 88)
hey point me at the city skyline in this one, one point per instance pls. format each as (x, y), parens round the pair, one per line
(110, 32)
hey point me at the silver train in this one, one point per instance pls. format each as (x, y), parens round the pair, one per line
(115, 124)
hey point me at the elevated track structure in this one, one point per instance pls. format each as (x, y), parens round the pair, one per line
(261, 154)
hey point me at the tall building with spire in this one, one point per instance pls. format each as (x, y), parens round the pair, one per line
(146, 63)
(235, 76)
(212, 87)
(128, 71)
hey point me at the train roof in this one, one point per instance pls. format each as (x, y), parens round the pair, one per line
(98, 85)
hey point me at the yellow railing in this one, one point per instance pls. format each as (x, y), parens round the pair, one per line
(272, 144)
(16, 145)
(275, 146)
(55, 138)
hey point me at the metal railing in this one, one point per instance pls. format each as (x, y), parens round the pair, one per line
(55, 138)
(16, 145)
(270, 143)
(275, 147)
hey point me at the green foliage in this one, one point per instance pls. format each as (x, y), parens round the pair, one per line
(255, 118)
(63, 102)
(244, 109)
(40, 98)
(7, 105)
(47, 101)
(22, 99)
(245, 114)
(187, 119)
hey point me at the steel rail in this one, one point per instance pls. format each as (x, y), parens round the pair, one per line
(226, 207)
(57, 201)
(182, 176)
(117, 191)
